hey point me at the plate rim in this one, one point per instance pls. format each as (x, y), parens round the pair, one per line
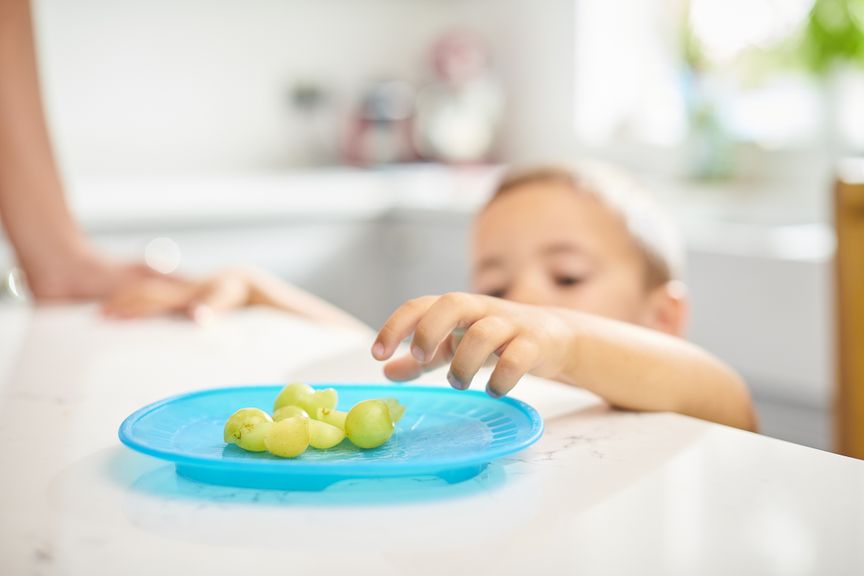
(328, 467)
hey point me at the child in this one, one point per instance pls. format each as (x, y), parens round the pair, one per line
(576, 281)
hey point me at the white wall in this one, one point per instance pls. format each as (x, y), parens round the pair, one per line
(533, 44)
(202, 85)
(195, 85)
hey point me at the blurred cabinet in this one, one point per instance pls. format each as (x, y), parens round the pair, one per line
(770, 317)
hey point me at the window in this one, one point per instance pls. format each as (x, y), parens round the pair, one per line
(715, 73)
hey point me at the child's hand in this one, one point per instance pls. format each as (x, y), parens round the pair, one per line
(197, 299)
(525, 339)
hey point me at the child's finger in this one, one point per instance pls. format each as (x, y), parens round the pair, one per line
(480, 341)
(518, 358)
(403, 369)
(451, 311)
(408, 368)
(399, 325)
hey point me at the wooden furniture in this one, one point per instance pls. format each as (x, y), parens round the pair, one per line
(849, 267)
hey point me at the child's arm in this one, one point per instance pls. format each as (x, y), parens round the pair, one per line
(202, 299)
(628, 366)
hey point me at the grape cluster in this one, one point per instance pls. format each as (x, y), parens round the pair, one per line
(303, 417)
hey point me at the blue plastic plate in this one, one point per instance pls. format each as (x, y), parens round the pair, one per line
(448, 433)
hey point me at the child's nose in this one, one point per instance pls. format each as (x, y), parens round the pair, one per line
(527, 292)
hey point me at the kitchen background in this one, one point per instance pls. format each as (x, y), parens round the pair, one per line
(344, 144)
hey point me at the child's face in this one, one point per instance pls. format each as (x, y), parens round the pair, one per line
(542, 243)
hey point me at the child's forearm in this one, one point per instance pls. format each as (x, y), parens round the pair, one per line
(638, 369)
(267, 290)
(629, 366)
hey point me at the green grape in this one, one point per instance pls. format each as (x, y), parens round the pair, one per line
(247, 429)
(306, 397)
(323, 436)
(294, 394)
(396, 409)
(288, 438)
(369, 424)
(289, 412)
(333, 417)
(320, 399)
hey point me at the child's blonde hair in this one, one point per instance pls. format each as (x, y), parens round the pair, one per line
(653, 234)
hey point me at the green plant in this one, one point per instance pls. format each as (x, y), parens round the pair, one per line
(834, 33)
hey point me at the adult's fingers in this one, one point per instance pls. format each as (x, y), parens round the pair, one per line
(219, 295)
(146, 299)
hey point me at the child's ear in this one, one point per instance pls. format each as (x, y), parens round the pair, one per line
(667, 308)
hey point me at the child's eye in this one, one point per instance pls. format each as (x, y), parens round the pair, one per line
(568, 280)
(497, 293)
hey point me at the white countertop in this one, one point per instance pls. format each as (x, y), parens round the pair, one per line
(603, 492)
